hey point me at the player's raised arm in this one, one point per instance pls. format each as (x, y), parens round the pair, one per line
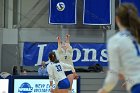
(50, 72)
(59, 42)
(67, 38)
(68, 43)
(114, 66)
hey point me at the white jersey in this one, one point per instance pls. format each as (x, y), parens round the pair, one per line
(56, 71)
(124, 58)
(66, 56)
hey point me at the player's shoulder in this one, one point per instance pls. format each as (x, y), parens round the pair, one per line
(120, 37)
(58, 63)
(59, 51)
(114, 39)
(61, 62)
(50, 64)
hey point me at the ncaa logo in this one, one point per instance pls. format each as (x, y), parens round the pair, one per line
(25, 88)
(60, 6)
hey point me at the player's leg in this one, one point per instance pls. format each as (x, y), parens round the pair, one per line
(70, 77)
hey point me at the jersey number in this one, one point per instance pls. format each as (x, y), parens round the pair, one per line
(58, 68)
(137, 47)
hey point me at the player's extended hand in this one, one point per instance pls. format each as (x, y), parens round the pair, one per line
(52, 90)
(58, 37)
(124, 85)
(67, 35)
(75, 75)
(121, 77)
(102, 91)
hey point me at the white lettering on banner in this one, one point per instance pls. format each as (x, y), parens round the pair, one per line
(40, 85)
(41, 90)
(25, 89)
(41, 50)
(78, 54)
(86, 53)
(104, 56)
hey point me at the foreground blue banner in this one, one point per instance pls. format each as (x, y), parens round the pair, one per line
(135, 2)
(62, 12)
(84, 54)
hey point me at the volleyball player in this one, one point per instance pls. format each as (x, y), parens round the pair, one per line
(56, 73)
(124, 51)
(65, 54)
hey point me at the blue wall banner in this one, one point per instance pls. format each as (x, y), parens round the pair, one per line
(135, 2)
(84, 54)
(97, 12)
(62, 11)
